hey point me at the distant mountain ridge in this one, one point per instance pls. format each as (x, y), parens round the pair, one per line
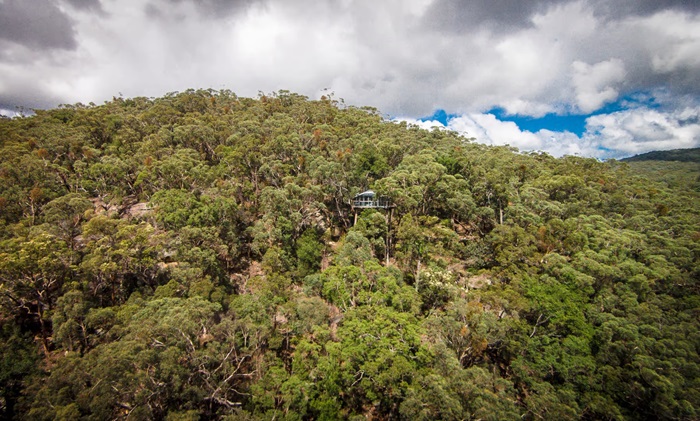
(682, 155)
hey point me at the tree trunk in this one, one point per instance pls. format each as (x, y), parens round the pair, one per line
(417, 273)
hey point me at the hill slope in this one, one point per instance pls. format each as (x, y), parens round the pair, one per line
(194, 257)
(679, 168)
(681, 155)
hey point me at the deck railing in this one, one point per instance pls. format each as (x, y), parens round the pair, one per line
(371, 202)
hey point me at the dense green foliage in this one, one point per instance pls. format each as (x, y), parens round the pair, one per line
(194, 257)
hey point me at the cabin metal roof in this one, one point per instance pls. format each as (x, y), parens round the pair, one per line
(366, 193)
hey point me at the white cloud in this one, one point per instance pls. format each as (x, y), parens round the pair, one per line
(486, 128)
(680, 41)
(642, 130)
(615, 135)
(8, 113)
(595, 84)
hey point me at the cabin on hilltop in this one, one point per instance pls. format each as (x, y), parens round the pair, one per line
(369, 199)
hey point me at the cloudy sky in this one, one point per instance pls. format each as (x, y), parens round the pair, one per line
(603, 78)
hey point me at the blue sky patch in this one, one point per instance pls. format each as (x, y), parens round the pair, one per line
(557, 123)
(574, 123)
(439, 115)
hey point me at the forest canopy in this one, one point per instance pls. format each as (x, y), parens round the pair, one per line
(196, 257)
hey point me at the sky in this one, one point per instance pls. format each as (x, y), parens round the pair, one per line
(597, 78)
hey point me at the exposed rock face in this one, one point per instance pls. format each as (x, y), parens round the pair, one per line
(479, 281)
(102, 208)
(137, 210)
(130, 208)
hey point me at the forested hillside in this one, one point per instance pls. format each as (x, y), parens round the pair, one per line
(681, 155)
(193, 257)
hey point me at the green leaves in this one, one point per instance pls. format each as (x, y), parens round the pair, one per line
(503, 285)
